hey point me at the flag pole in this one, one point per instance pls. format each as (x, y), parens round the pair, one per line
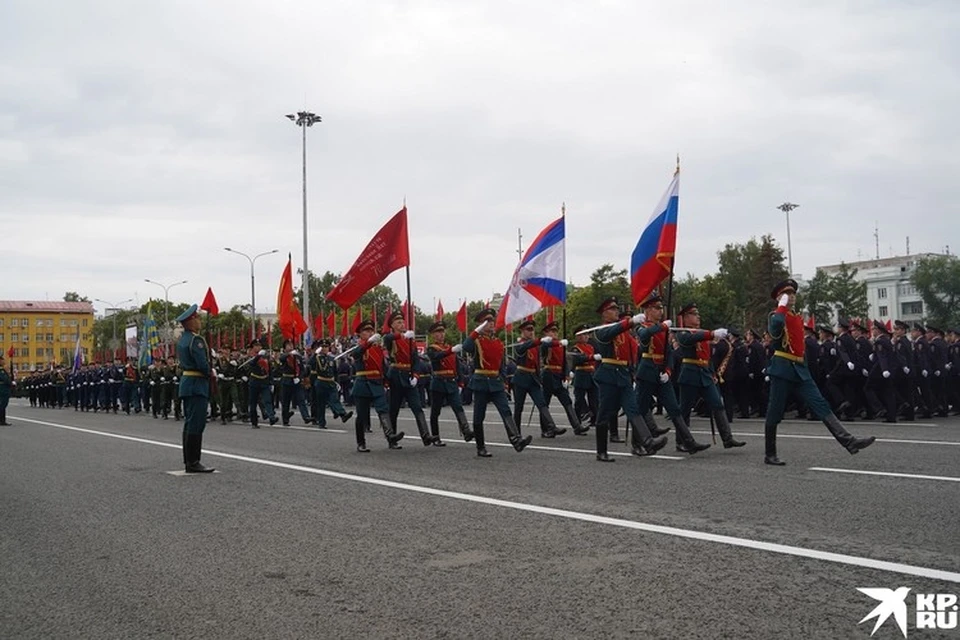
(563, 316)
(672, 258)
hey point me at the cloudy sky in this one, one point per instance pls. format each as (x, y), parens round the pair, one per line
(139, 139)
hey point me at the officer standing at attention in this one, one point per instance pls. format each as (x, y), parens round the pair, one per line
(194, 358)
(789, 373)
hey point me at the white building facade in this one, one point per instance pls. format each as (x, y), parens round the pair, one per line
(890, 295)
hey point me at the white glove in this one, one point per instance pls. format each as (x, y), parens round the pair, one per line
(152, 383)
(565, 342)
(220, 375)
(233, 363)
(949, 366)
(408, 334)
(262, 352)
(720, 333)
(174, 378)
(597, 357)
(886, 374)
(766, 378)
(864, 372)
(482, 326)
(638, 319)
(664, 378)
(162, 379)
(851, 366)
(924, 373)
(784, 300)
(319, 349)
(213, 354)
(906, 370)
(833, 352)
(937, 373)
(244, 378)
(546, 339)
(750, 375)
(374, 339)
(870, 357)
(457, 348)
(667, 323)
(213, 372)
(413, 382)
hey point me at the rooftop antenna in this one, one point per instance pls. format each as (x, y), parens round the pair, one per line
(876, 237)
(908, 245)
(519, 245)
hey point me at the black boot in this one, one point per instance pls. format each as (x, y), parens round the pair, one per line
(690, 445)
(548, 427)
(346, 416)
(194, 445)
(578, 427)
(655, 429)
(186, 450)
(613, 431)
(361, 437)
(601, 436)
(481, 448)
(770, 446)
(424, 430)
(849, 442)
(720, 417)
(392, 438)
(643, 441)
(465, 430)
(519, 444)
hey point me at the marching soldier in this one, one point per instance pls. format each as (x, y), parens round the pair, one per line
(584, 388)
(194, 388)
(260, 390)
(653, 372)
(696, 373)
(6, 388)
(368, 389)
(527, 380)
(756, 367)
(616, 351)
(904, 378)
(402, 375)
(229, 394)
(939, 369)
(291, 371)
(325, 387)
(847, 371)
(922, 359)
(443, 383)
(953, 366)
(555, 369)
(128, 392)
(788, 373)
(487, 382)
(865, 358)
(884, 365)
(830, 365)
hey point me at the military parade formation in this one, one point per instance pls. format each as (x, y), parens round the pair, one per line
(632, 365)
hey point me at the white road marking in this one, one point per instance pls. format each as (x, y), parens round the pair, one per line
(801, 437)
(890, 474)
(747, 543)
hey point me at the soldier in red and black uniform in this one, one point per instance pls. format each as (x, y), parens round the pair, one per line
(128, 392)
(555, 369)
(584, 388)
(368, 389)
(402, 376)
(443, 383)
(526, 381)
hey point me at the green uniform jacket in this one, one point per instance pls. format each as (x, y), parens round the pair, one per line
(649, 370)
(5, 384)
(691, 374)
(781, 367)
(612, 374)
(193, 359)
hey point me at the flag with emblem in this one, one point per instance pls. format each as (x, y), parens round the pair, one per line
(540, 278)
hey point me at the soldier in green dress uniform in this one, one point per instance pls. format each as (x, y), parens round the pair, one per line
(194, 391)
(6, 386)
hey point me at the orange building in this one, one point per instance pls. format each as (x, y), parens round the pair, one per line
(41, 332)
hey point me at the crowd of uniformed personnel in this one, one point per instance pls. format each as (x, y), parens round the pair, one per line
(633, 364)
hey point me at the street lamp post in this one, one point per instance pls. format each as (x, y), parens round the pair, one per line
(787, 207)
(116, 308)
(304, 119)
(253, 291)
(166, 310)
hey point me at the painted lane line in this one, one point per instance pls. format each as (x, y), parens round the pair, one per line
(747, 543)
(801, 437)
(888, 474)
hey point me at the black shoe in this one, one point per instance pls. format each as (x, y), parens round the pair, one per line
(659, 431)
(548, 434)
(603, 457)
(681, 448)
(273, 421)
(196, 467)
(362, 448)
(346, 416)
(582, 431)
(638, 451)
(394, 445)
(695, 447)
(223, 421)
(731, 443)
(483, 453)
(521, 443)
(655, 444)
(437, 442)
(255, 426)
(774, 460)
(616, 438)
(860, 443)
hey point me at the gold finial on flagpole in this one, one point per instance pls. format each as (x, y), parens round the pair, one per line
(563, 209)
(678, 164)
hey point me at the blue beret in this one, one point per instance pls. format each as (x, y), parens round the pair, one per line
(191, 311)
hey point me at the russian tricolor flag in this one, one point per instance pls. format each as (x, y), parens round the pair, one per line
(652, 258)
(540, 278)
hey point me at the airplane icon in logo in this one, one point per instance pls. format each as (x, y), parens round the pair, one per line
(891, 603)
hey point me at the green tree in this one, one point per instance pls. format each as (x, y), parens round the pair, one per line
(849, 295)
(818, 297)
(750, 271)
(937, 278)
(73, 296)
(582, 302)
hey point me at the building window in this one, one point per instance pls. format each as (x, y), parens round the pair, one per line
(15, 337)
(63, 322)
(1, 338)
(883, 312)
(63, 352)
(912, 308)
(14, 322)
(49, 337)
(908, 290)
(882, 292)
(84, 322)
(26, 338)
(1, 322)
(39, 353)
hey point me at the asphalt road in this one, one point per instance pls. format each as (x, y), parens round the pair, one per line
(299, 536)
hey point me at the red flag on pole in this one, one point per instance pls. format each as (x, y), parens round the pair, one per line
(209, 303)
(405, 310)
(462, 317)
(331, 324)
(291, 322)
(10, 352)
(357, 319)
(549, 314)
(318, 326)
(386, 318)
(439, 310)
(385, 253)
(345, 325)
